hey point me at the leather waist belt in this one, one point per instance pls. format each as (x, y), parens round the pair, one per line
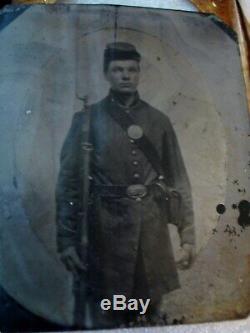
(134, 191)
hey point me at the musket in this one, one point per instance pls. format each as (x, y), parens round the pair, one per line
(87, 148)
(81, 312)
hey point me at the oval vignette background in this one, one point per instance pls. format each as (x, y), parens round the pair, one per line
(182, 76)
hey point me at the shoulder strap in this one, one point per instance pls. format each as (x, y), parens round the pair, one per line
(143, 143)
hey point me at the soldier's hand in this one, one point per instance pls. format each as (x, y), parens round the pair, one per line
(187, 257)
(72, 261)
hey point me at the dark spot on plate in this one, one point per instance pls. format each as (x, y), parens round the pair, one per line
(244, 209)
(231, 230)
(220, 209)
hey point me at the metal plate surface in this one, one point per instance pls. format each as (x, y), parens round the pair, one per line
(33, 127)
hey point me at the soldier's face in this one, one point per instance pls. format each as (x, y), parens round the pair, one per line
(123, 75)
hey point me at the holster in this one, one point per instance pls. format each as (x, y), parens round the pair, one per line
(170, 201)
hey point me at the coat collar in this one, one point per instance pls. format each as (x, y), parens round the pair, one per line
(114, 99)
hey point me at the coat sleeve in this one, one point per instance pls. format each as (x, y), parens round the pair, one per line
(68, 188)
(177, 178)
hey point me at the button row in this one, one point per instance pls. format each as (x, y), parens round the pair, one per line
(134, 152)
(137, 175)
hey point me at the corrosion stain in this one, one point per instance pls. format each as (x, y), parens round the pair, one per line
(230, 230)
(214, 231)
(220, 209)
(244, 209)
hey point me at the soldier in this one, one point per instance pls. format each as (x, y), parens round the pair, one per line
(138, 185)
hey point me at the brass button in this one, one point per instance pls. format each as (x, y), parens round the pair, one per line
(132, 141)
(136, 175)
(135, 163)
(133, 152)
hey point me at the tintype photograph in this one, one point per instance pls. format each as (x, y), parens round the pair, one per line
(125, 169)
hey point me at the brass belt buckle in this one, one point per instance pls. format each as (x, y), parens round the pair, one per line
(136, 191)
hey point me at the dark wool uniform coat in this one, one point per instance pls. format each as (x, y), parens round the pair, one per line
(121, 227)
